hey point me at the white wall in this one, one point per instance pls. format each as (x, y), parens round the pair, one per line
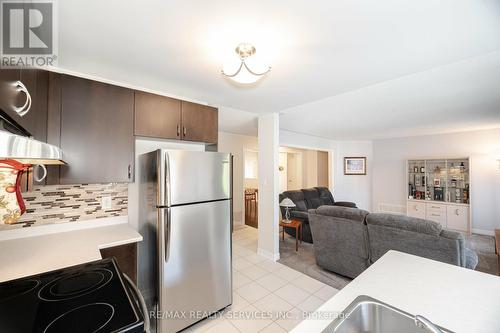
(236, 145)
(389, 169)
(268, 244)
(357, 189)
(144, 145)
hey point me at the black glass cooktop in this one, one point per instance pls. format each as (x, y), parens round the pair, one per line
(86, 298)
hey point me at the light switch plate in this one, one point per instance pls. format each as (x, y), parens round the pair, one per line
(106, 203)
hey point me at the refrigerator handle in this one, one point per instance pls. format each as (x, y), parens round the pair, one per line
(166, 229)
(163, 179)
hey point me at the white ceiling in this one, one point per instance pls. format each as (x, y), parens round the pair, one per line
(338, 65)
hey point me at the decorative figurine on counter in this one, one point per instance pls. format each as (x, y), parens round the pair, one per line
(438, 194)
(11, 201)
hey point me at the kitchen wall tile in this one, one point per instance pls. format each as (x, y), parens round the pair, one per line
(71, 203)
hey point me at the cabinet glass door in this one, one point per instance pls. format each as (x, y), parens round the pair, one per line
(416, 179)
(436, 175)
(458, 181)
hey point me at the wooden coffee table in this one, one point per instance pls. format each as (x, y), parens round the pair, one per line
(497, 247)
(297, 225)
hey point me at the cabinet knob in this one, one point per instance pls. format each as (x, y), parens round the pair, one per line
(178, 130)
(184, 130)
(129, 171)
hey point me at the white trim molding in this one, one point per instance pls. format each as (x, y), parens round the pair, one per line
(268, 255)
(483, 232)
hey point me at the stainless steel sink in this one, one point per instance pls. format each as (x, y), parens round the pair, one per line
(368, 315)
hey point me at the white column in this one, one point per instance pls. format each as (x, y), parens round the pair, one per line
(268, 244)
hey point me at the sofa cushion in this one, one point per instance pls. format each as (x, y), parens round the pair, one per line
(298, 199)
(404, 223)
(345, 204)
(342, 212)
(340, 244)
(303, 216)
(325, 195)
(311, 196)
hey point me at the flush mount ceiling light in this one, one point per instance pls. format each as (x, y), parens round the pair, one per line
(247, 70)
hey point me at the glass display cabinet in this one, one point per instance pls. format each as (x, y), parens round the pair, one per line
(439, 190)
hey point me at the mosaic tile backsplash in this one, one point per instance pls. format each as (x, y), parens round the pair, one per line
(71, 203)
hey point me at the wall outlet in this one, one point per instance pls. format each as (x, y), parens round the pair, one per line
(106, 203)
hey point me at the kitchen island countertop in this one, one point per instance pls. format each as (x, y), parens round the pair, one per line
(40, 252)
(455, 298)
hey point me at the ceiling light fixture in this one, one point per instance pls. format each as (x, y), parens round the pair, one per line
(247, 70)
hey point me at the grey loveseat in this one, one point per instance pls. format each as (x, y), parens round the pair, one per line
(309, 198)
(349, 240)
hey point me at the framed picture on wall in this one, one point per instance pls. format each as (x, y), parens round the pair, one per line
(354, 165)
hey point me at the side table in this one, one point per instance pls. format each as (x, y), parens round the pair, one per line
(297, 225)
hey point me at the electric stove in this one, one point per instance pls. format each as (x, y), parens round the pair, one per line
(92, 297)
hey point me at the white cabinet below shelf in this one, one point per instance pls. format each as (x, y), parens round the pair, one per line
(457, 217)
(450, 216)
(436, 212)
(416, 209)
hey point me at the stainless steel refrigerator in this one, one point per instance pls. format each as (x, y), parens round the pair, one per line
(185, 217)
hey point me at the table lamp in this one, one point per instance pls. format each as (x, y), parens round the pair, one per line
(287, 203)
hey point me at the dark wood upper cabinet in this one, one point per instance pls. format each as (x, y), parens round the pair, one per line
(97, 132)
(36, 82)
(7, 94)
(157, 116)
(199, 122)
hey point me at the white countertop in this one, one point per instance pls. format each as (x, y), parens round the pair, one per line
(458, 299)
(44, 250)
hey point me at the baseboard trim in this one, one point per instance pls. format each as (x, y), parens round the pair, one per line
(483, 232)
(269, 255)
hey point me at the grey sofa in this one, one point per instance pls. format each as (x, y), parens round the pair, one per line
(349, 240)
(305, 199)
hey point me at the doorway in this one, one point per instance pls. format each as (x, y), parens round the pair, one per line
(250, 188)
(303, 168)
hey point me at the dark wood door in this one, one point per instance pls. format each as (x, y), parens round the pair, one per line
(97, 132)
(157, 116)
(252, 207)
(199, 122)
(53, 123)
(126, 258)
(36, 82)
(7, 94)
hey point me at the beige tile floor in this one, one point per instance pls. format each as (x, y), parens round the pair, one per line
(267, 296)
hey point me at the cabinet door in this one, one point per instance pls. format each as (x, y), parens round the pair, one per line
(7, 94)
(416, 209)
(36, 81)
(97, 132)
(436, 212)
(157, 116)
(457, 217)
(54, 123)
(199, 122)
(126, 258)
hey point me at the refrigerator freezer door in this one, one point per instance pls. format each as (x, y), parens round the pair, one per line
(196, 176)
(195, 266)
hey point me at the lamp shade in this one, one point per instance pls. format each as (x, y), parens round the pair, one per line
(287, 203)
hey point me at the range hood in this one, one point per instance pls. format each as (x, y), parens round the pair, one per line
(26, 150)
(16, 144)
